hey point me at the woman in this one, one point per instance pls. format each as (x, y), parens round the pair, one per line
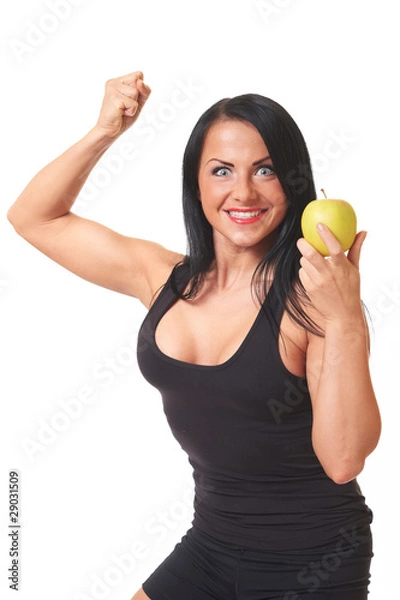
(257, 343)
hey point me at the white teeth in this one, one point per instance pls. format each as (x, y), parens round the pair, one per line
(244, 215)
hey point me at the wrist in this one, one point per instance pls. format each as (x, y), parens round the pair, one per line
(100, 138)
(351, 317)
(349, 329)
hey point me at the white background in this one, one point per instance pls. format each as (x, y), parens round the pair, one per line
(106, 491)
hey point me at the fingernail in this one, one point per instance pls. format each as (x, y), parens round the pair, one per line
(320, 226)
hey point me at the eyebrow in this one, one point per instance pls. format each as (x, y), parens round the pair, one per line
(254, 164)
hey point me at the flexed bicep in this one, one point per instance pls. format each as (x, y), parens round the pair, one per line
(105, 257)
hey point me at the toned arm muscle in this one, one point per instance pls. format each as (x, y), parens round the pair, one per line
(346, 417)
(346, 420)
(42, 213)
(102, 256)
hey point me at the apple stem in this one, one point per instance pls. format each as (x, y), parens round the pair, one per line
(323, 191)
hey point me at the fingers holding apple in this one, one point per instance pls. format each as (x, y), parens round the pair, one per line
(334, 248)
(338, 215)
(330, 226)
(355, 250)
(332, 283)
(328, 244)
(330, 278)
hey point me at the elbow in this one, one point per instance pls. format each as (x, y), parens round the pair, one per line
(12, 217)
(15, 218)
(345, 465)
(343, 471)
(343, 476)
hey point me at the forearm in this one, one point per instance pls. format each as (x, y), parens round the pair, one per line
(53, 191)
(346, 425)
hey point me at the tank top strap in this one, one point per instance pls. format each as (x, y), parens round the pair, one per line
(177, 280)
(273, 308)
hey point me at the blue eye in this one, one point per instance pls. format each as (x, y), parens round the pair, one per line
(221, 171)
(265, 170)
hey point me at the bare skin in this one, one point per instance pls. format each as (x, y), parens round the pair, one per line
(140, 595)
(42, 214)
(236, 179)
(203, 337)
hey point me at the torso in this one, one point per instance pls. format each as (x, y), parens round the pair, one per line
(209, 329)
(244, 422)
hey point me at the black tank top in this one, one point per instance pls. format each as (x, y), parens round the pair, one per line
(245, 425)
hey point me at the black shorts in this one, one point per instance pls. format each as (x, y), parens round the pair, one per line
(202, 568)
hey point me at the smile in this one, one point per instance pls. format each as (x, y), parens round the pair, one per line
(245, 216)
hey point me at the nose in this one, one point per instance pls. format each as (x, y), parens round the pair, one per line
(244, 190)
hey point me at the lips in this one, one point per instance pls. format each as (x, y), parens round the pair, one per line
(245, 216)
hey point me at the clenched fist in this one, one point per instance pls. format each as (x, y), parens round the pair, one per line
(123, 101)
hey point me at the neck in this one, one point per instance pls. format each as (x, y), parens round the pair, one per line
(233, 269)
(234, 264)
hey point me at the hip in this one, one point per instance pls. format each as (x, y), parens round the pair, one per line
(202, 567)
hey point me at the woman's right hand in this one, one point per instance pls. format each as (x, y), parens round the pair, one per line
(122, 103)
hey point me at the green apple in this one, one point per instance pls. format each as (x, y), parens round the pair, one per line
(338, 215)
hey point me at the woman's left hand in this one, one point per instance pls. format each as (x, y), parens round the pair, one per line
(332, 283)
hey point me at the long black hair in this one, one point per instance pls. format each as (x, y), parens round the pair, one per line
(292, 165)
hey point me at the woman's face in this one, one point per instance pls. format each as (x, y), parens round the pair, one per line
(241, 196)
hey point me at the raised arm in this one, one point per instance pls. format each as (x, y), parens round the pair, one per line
(346, 418)
(42, 213)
